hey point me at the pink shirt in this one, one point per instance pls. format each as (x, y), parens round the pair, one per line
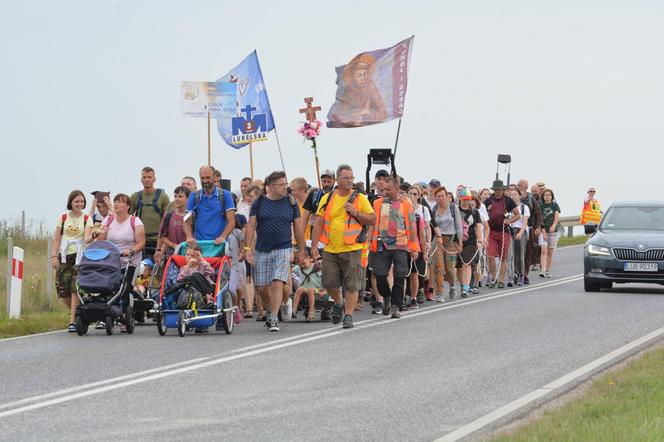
(124, 237)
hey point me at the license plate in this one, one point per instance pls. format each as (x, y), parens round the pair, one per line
(641, 267)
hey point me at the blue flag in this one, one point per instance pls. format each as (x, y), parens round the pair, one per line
(253, 117)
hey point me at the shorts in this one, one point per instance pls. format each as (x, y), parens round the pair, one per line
(362, 280)
(468, 255)
(65, 277)
(238, 277)
(495, 246)
(341, 270)
(387, 258)
(419, 265)
(271, 266)
(552, 240)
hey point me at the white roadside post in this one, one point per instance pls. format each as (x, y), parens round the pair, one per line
(14, 304)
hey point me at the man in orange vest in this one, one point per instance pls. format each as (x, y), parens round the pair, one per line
(591, 213)
(340, 220)
(394, 242)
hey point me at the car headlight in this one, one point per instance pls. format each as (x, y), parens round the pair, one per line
(595, 250)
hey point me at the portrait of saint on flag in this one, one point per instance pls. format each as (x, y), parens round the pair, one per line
(371, 88)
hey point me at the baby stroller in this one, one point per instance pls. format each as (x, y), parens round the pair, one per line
(220, 314)
(102, 289)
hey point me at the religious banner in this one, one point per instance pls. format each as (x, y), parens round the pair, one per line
(197, 98)
(371, 88)
(253, 117)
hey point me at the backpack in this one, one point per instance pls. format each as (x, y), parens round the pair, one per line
(220, 195)
(132, 221)
(261, 199)
(453, 212)
(155, 201)
(64, 218)
(529, 203)
(362, 237)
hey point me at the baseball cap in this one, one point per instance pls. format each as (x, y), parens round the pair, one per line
(327, 172)
(540, 184)
(465, 194)
(434, 183)
(382, 173)
(592, 189)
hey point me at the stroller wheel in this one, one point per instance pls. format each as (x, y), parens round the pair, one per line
(229, 315)
(129, 319)
(81, 326)
(182, 327)
(109, 325)
(161, 322)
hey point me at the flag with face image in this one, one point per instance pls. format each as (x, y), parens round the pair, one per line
(253, 117)
(371, 88)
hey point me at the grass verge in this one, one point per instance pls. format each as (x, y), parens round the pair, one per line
(565, 241)
(31, 323)
(623, 405)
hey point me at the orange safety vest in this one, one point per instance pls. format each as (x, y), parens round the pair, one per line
(406, 209)
(591, 213)
(352, 227)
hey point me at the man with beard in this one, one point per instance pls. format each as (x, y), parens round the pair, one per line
(535, 222)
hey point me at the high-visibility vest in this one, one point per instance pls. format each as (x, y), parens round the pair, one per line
(591, 213)
(352, 226)
(406, 210)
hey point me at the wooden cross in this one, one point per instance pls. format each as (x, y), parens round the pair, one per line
(310, 111)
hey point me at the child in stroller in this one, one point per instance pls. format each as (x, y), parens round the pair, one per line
(198, 273)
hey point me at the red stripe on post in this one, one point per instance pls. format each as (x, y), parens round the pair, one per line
(20, 270)
(17, 268)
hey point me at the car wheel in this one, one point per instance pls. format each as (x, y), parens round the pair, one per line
(590, 286)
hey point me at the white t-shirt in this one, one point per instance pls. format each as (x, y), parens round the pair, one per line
(517, 224)
(484, 217)
(124, 237)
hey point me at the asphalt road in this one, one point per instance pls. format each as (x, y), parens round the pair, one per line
(417, 378)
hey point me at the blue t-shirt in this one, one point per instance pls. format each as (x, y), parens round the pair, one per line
(273, 223)
(209, 222)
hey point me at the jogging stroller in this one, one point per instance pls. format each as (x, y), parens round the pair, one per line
(102, 289)
(172, 313)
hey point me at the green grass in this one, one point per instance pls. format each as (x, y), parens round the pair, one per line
(31, 323)
(565, 241)
(622, 405)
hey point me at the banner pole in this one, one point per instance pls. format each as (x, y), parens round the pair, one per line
(396, 142)
(251, 159)
(281, 158)
(320, 186)
(209, 149)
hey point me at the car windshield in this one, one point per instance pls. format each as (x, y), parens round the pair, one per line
(634, 218)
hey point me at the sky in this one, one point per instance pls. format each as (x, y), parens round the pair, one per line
(572, 90)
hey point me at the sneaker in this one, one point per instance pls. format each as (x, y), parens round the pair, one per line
(71, 328)
(123, 328)
(348, 321)
(440, 298)
(238, 316)
(367, 296)
(510, 284)
(396, 314)
(386, 308)
(520, 281)
(543, 275)
(547, 274)
(430, 297)
(294, 316)
(475, 290)
(492, 285)
(413, 304)
(377, 307)
(420, 297)
(452, 293)
(501, 285)
(273, 326)
(325, 314)
(336, 314)
(526, 281)
(287, 310)
(464, 293)
(100, 325)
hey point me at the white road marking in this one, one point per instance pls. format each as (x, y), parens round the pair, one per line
(99, 387)
(534, 395)
(15, 338)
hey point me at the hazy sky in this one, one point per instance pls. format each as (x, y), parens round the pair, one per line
(571, 89)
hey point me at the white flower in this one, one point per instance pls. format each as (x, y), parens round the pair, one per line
(313, 125)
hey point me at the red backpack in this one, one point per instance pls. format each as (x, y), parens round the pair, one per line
(63, 218)
(132, 221)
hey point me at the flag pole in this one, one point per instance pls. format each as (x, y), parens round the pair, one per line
(281, 158)
(313, 140)
(396, 142)
(251, 159)
(209, 150)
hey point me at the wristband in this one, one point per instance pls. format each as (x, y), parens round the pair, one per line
(247, 248)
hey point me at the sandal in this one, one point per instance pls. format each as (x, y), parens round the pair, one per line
(311, 315)
(359, 306)
(248, 315)
(71, 328)
(100, 325)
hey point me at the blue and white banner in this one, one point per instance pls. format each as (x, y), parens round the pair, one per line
(253, 118)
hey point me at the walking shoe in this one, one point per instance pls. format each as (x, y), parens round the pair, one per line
(413, 304)
(475, 290)
(336, 314)
(501, 285)
(348, 321)
(396, 314)
(100, 325)
(526, 281)
(273, 326)
(420, 297)
(520, 282)
(510, 284)
(238, 316)
(325, 314)
(367, 296)
(547, 274)
(376, 307)
(452, 293)
(492, 285)
(440, 298)
(430, 297)
(287, 310)
(542, 274)
(464, 293)
(386, 308)
(71, 328)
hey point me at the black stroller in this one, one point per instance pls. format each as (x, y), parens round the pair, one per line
(102, 289)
